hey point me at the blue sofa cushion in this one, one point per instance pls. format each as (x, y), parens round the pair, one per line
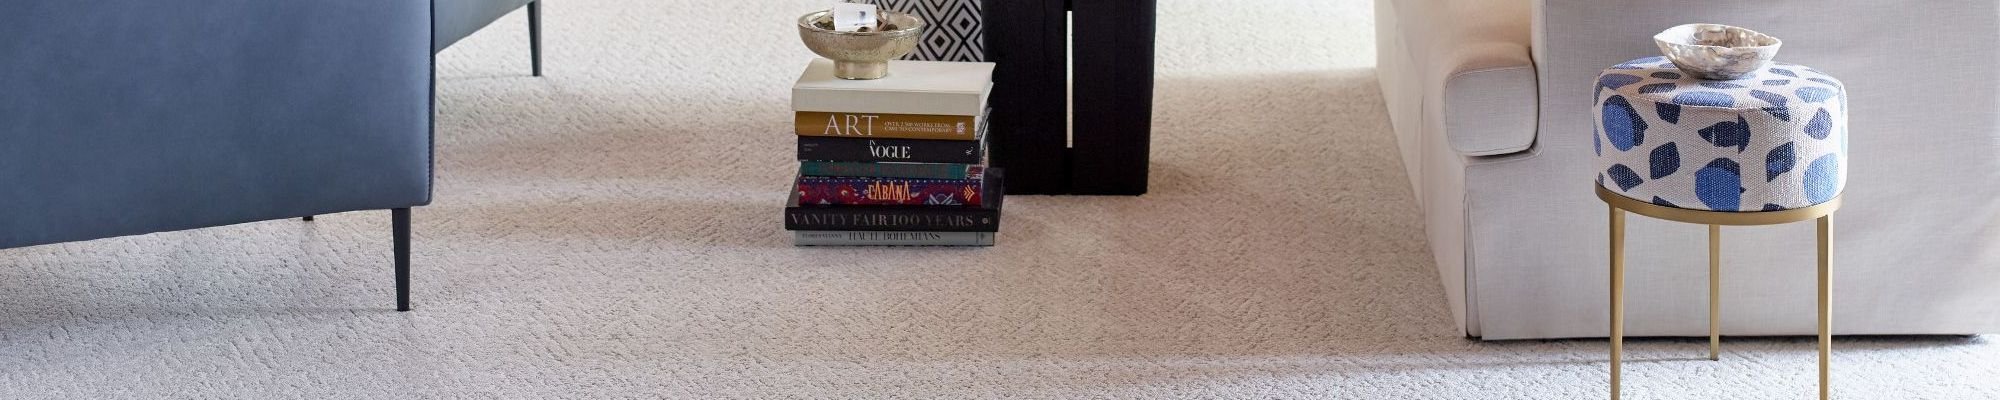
(457, 19)
(121, 117)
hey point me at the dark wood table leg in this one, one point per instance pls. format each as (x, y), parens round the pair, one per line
(1113, 53)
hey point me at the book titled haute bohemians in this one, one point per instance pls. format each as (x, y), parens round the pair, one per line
(865, 238)
(833, 190)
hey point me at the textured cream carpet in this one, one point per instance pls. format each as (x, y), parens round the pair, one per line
(613, 230)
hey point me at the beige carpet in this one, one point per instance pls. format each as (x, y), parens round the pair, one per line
(613, 230)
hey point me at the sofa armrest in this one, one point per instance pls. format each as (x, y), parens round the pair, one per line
(1490, 99)
(122, 117)
(1470, 61)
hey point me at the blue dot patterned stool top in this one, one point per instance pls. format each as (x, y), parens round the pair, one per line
(1771, 141)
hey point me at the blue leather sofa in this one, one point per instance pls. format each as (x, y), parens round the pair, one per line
(127, 117)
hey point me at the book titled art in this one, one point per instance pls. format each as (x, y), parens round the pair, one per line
(886, 126)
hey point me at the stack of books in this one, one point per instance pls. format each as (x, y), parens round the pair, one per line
(897, 161)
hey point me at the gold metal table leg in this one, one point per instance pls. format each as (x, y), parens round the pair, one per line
(1714, 219)
(1714, 292)
(1825, 302)
(1617, 295)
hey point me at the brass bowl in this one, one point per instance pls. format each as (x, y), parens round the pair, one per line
(861, 55)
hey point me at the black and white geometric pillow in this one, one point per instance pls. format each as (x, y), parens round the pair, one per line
(955, 28)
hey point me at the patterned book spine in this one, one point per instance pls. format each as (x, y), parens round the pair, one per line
(986, 218)
(826, 190)
(812, 148)
(865, 238)
(885, 170)
(886, 126)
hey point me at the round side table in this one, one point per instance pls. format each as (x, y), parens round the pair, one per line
(1653, 119)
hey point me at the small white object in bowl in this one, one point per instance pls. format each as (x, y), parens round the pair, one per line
(1715, 51)
(851, 17)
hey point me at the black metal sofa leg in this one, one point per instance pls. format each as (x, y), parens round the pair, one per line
(400, 222)
(535, 34)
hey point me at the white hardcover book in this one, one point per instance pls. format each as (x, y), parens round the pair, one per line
(912, 87)
(867, 238)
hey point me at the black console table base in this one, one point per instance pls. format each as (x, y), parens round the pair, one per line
(1113, 90)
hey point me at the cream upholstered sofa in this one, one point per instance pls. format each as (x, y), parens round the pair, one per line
(1490, 103)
